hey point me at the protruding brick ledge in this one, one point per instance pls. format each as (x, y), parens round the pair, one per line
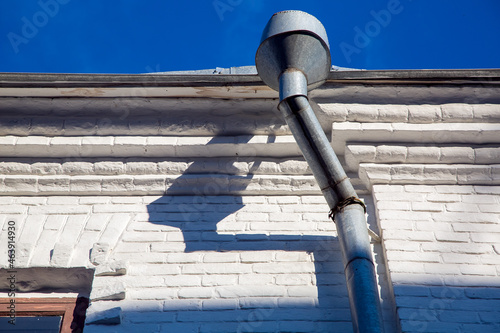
(149, 146)
(429, 174)
(437, 133)
(420, 154)
(418, 114)
(191, 184)
(153, 166)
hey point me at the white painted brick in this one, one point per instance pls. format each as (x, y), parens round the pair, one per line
(153, 258)
(487, 189)
(112, 268)
(61, 255)
(46, 168)
(54, 184)
(157, 293)
(218, 257)
(260, 208)
(461, 207)
(144, 237)
(54, 222)
(468, 248)
(278, 226)
(256, 279)
(424, 113)
(168, 247)
(254, 257)
(455, 258)
(121, 208)
(406, 256)
(275, 268)
(302, 209)
(284, 217)
(397, 196)
(78, 168)
(213, 268)
(315, 217)
(423, 154)
(419, 189)
(97, 222)
(293, 256)
(427, 206)
(435, 197)
(43, 247)
(87, 185)
(219, 280)
(105, 289)
(307, 199)
(393, 205)
(476, 227)
(85, 242)
(393, 113)
(184, 258)
(302, 291)
(19, 184)
(432, 226)
(485, 237)
(478, 270)
(355, 154)
(13, 209)
(30, 146)
(465, 217)
(397, 225)
(480, 199)
(454, 111)
(489, 208)
(196, 292)
(443, 236)
(158, 268)
(251, 291)
(404, 215)
(361, 112)
(441, 269)
(293, 279)
(121, 184)
(446, 189)
(398, 244)
(114, 228)
(285, 200)
(126, 200)
(252, 217)
(183, 280)
(474, 174)
(487, 155)
(391, 154)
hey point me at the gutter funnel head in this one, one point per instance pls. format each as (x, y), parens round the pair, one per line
(293, 40)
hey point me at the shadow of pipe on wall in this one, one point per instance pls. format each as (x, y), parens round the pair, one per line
(200, 217)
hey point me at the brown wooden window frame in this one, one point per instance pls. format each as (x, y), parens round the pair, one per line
(32, 307)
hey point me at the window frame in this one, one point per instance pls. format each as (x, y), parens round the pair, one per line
(46, 306)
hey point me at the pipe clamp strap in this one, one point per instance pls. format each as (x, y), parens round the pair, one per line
(344, 203)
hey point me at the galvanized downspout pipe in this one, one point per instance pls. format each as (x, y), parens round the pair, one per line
(294, 57)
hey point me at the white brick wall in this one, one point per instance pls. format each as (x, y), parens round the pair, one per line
(199, 214)
(288, 275)
(441, 246)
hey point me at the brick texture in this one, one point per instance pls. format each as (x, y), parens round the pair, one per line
(441, 255)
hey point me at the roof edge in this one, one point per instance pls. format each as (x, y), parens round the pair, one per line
(157, 79)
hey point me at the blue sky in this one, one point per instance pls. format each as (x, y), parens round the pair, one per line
(139, 36)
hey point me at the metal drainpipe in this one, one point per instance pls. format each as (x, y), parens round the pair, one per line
(293, 58)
